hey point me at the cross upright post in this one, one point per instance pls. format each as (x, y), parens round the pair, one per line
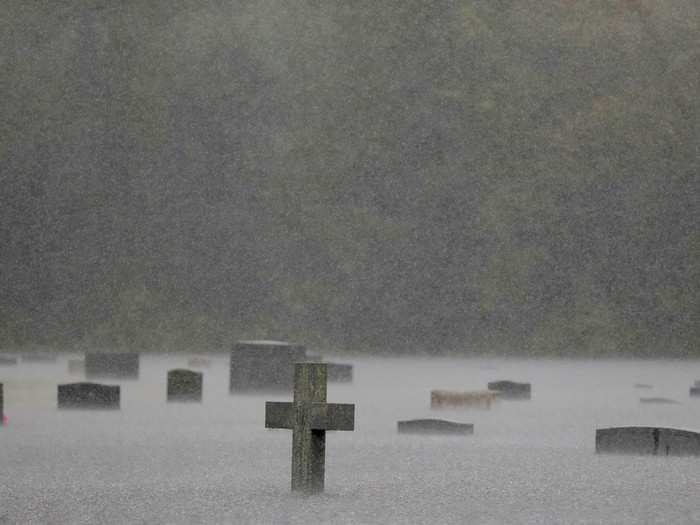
(309, 417)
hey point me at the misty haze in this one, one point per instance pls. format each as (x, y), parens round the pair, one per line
(480, 216)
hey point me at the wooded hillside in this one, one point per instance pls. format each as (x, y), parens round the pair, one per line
(475, 175)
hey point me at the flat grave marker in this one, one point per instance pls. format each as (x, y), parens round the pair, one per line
(658, 401)
(455, 399)
(309, 417)
(434, 427)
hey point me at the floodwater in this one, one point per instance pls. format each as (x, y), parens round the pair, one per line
(215, 463)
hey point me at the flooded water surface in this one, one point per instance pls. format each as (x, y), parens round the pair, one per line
(527, 461)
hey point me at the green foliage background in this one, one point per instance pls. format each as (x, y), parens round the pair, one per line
(466, 176)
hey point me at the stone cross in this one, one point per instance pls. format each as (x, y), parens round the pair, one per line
(309, 416)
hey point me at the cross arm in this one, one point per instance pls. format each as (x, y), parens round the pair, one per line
(279, 415)
(332, 416)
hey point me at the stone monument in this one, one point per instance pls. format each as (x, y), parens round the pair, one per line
(511, 389)
(653, 441)
(121, 365)
(260, 366)
(309, 417)
(184, 385)
(88, 395)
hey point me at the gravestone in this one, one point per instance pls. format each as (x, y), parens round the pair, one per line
(259, 366)
(339, 372)
(88, 395)
(121, 365)
(511, 389)
(434, 427)
(184, 385)
(309, 417)
(6, 360)
(658, 401)
(695, 391)
(452, 399)
(653, 441)
(76, 366)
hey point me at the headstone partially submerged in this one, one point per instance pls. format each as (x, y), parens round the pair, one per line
(658, 401)
(655, 441)
(88, 395)
(259, 366)
(309, 416)
(452, 399)
(122, 365)
(184, 385)
(511, 389)
(434, 427)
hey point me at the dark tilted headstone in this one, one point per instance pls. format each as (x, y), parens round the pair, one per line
(76, 366)
(6, 360)
(339, 372)
(511, 389)
(653, 441)
(695, 391)
(88, 395)
(264, 366)
(309, 416)
(184, 385)
(658, 401)
(434, 427)
(39, 357)
(114, 365)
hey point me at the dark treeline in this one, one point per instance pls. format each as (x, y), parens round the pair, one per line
(478, 175)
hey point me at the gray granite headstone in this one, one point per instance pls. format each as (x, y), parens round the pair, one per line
(658, 401)
(122, 365)
(655, 441)
(6, 360)
(259, 366)
(88, 395)
(309, 417)
(511, 389)
(434, 427)
(184, 385)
